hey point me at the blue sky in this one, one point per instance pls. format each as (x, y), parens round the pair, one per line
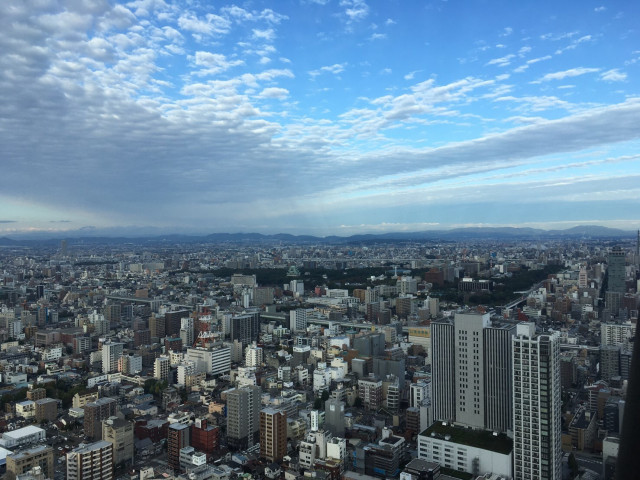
(317, 116)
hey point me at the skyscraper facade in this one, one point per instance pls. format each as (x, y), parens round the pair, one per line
(243, 416)
(616, 271)
(536, 404)
(273, 434)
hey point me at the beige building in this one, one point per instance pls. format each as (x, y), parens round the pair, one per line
(273, 434)
(19, 463)
(46, 409)
(81, 399)
(91, 462)
(119, 433)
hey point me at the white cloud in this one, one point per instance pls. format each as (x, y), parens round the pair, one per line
(599, 9)
(572, 72)
(506, 32)
(613, 75)
(378, 36)
(274, 92)
(267, 34)
(411, 75)
(335, 69)
(355, 10)
(502, 61)
(390, 21)
(211, 24)
(214, 63)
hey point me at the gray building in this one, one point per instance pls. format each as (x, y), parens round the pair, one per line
(243, 416)
(334, 416)
(442, 370)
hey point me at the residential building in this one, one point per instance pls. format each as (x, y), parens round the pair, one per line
(273, 434)
(178, 437)
(119, 433)
(23, 461)
(110, 354)
(243, 416)
(536, 404)
(91, 462)
(95, 413)
(46, 410)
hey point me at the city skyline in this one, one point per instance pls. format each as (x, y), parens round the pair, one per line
(316, 116)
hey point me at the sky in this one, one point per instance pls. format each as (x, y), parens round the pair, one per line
(317, 116)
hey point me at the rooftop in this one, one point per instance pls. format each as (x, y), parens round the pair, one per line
(484, 439)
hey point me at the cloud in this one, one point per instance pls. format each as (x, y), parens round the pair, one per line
(377, 36)
(210, 25)
(502, 61)
(599, 9)
(390, 21)
(613, 75)
(572, 72)
(214, 63)
(506, 32)
(267, 34)
(355, 10)
(274, 92)
(411, 75)
(335, 69)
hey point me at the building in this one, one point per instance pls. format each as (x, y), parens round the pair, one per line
(384, 458)
(216, 361)
(616, 271)
(22, 436)
(157, 326)
(161, 368)
(370, 392)
(616, 333)
(26, 409)
(95, 413)
(536, 404)
(204, 437)
(334, 416)
(245, 327)
(110, 354)
(91, 462)
(273, 434)
(178, 437)
(243, 416)
(466, 450)
(119, 433)
(21, 462)
(471, 371)
(253, 356)
(46, 410)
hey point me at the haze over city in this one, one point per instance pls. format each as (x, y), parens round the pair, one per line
(317, 116)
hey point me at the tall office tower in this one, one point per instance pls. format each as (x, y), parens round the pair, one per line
(616, 271)
(471, 371)
(95, 413)
(187, 331)
(536, 404)
(178, 437)
(273, 434)
(498, 352)
(243, 416)
(298, 320)
(119, 433)
(442, 371)
(161, 367)
(245, 328)
(469, 367)
(110, 354)
(172, 321)
(91, 462)
(141, 337)
(157, 326)
(334, 416)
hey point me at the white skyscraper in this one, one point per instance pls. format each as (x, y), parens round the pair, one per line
(187, 330)
(110, 354)
(536, 404)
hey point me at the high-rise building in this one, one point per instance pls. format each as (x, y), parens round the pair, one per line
(471, 371)
(187, 331)
(245, 327)
(298, 320)
(172, 321)
(334, 416)
(95, 413)
(110, 354)
(113, 314)
(157, 326)
(442, 371)
(243, 416)
(142, 337)
(119, 433)
(178, 437)
(273, 434)
(536, 404)
(253, 356)
(616, 271)
(91, 462)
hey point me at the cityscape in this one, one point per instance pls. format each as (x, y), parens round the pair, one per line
(319, 240)
(474, 359)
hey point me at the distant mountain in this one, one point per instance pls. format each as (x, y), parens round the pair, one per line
(471, 233)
